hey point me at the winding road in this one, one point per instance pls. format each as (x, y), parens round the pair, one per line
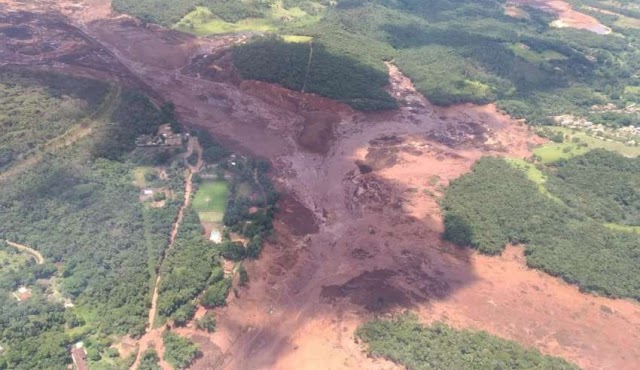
(23, 248)
(153, 336)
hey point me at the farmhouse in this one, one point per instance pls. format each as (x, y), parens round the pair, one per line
(168, 137)
(22, 294)
(164, 137)
(79, 356)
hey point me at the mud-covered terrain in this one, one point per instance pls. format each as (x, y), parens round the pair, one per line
(358, 231)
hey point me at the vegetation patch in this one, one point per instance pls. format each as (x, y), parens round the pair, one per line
(405, 341)
(39, 107)
(178, 351)
(567, 238)
(573, 143)
(202, 22)
(326, 73)
(11, 259)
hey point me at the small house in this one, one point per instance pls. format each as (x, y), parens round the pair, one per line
(79, 356)
(22, 294)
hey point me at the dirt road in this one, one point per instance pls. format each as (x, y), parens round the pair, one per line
(359, 231)
(34, 253)
(153, 336)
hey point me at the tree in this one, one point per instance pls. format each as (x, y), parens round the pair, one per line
(243, 276)
(207, 322)
(179, 351)
(216, 294)
(149, 360)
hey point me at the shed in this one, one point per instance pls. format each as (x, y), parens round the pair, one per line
(216, 236)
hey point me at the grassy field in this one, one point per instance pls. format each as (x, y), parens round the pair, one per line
(297, 38)
(534, 174)
(625, 228)
(139, 176)
(203, 22)
(628, 22)
(523, 51)
(552, 152)
(211, 200)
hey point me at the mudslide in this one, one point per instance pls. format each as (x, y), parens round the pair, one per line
(358, 234)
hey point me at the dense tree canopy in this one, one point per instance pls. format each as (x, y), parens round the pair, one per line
(404, 340)
(496, 204)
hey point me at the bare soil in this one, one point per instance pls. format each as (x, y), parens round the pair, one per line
(359, 232)
(567, 16)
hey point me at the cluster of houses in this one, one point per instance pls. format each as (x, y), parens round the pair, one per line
(164, 137)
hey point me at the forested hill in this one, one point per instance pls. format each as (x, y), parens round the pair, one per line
(453, 50)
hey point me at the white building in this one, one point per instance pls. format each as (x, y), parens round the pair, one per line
(216, 236)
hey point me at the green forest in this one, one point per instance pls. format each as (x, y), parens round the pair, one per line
(405, 341)
(567, 234)
(454, 51)
(77, 205)
(38, 107)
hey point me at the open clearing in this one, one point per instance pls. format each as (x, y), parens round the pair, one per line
(367, 237)
(202, 22)
(567, 16)
(211, 200)
(551, 152)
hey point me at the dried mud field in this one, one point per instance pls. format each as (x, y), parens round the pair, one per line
(358, 231)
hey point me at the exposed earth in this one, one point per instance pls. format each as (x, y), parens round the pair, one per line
(358, 233)
(567, 16)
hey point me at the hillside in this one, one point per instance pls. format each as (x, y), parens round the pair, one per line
(454, 51)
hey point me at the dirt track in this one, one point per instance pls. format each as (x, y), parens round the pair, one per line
(34, 253)
(366, 237)
(153, 336)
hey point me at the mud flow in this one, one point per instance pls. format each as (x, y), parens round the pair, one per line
(358, 232)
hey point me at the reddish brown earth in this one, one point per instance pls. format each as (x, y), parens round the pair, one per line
(358, 233)
(567, 16)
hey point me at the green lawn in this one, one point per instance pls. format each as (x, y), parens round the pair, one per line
(211, 200)
(139, 174)
(297, 39)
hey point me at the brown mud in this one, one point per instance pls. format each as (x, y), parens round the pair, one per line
(359, 231)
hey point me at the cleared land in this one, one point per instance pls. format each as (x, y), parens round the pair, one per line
(211, 200)
(569, 148)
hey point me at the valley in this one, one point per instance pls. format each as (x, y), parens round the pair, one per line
(358, 231)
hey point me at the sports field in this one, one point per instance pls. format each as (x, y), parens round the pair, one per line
(211, 200)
